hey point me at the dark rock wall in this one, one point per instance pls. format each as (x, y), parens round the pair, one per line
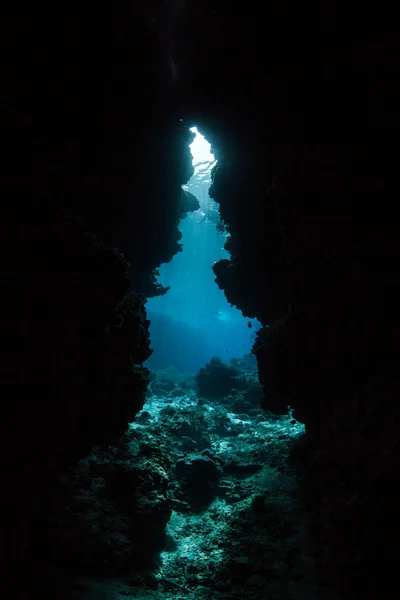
(300, 107)
(92, 160)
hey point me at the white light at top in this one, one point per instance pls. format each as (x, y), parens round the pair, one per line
(200, 149)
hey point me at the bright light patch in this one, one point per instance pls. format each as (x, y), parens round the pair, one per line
(200, 149)
(195, 310)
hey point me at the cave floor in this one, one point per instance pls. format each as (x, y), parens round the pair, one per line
(253, 539)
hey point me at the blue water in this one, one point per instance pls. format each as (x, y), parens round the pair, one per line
(193, 321)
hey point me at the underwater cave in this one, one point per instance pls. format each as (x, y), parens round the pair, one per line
(193, 321)
(199, 275)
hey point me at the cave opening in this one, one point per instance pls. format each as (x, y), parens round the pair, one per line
(193, 321)
(202, 424)
(100, 457)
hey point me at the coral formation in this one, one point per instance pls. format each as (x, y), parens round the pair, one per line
(189, 203)
(120, 510)
(217, 379)
(302, 116)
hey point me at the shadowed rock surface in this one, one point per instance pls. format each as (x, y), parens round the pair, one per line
(300, 107)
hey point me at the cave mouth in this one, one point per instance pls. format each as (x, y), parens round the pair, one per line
(193, 321)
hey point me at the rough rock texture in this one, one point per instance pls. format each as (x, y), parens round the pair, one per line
(301, 108)
(91, 176)
(189, 203)
(111, 512)
(73, 340)
(154, 518)
(218, 378)
(306, 187)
